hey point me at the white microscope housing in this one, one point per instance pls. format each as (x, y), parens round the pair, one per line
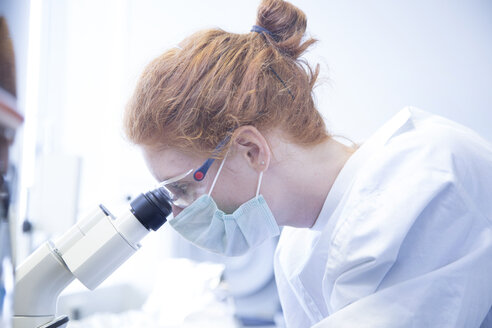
(90, 251)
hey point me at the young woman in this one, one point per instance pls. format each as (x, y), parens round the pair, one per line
(394, 233)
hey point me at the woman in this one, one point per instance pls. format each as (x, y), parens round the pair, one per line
(396, 233)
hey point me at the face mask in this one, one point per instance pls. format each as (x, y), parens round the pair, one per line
(203, 224)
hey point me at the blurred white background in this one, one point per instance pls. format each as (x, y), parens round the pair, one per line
(84, 58)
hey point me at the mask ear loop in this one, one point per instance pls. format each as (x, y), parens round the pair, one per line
(259, 184)
(217, 175)
(220, 169)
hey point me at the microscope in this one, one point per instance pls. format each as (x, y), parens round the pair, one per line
(89, 251)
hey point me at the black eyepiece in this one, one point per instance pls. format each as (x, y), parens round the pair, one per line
(152, 208)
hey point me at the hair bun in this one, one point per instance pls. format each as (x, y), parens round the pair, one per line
(286, 22)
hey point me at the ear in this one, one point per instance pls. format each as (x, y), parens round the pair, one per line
(252, 145)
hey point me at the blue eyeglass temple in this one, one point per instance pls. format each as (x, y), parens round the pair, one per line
(200, 173)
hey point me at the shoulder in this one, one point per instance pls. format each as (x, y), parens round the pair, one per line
(426, 144)
(443, 137)
(424, 161)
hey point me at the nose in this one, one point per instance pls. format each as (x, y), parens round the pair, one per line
(176, 210)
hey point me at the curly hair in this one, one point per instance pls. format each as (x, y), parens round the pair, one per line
(194, 96)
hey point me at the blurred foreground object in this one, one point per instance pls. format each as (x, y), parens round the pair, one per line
(10, 120)
(181, 293)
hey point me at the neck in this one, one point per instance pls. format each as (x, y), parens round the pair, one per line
(304, 177)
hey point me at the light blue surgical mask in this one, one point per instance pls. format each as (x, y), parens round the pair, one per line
(203, 224)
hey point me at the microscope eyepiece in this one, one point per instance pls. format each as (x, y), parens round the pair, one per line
(152, 208)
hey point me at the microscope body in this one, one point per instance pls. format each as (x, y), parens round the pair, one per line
(90, 251)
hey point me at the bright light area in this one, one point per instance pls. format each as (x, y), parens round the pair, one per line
(32, 99)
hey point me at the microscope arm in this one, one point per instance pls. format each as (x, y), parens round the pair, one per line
(90, 251)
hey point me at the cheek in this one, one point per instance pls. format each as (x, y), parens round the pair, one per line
(233, 190)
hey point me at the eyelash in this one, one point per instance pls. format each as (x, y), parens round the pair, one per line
(179, 187)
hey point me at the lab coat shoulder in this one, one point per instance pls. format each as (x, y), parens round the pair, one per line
(429, 146)
(413, 233)
(443, 146)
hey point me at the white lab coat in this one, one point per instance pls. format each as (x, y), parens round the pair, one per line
(404, 238)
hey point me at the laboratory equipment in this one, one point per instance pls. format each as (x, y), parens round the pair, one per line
(90, 251)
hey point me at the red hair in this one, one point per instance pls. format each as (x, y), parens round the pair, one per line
(194, 96)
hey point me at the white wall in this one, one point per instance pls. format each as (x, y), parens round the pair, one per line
(383, 55)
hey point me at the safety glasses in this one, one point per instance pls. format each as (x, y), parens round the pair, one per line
(185, 190)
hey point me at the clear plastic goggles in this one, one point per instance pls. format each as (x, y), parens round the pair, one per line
(184, 189)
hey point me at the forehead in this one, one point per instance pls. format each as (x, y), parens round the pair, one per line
(169, 162)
